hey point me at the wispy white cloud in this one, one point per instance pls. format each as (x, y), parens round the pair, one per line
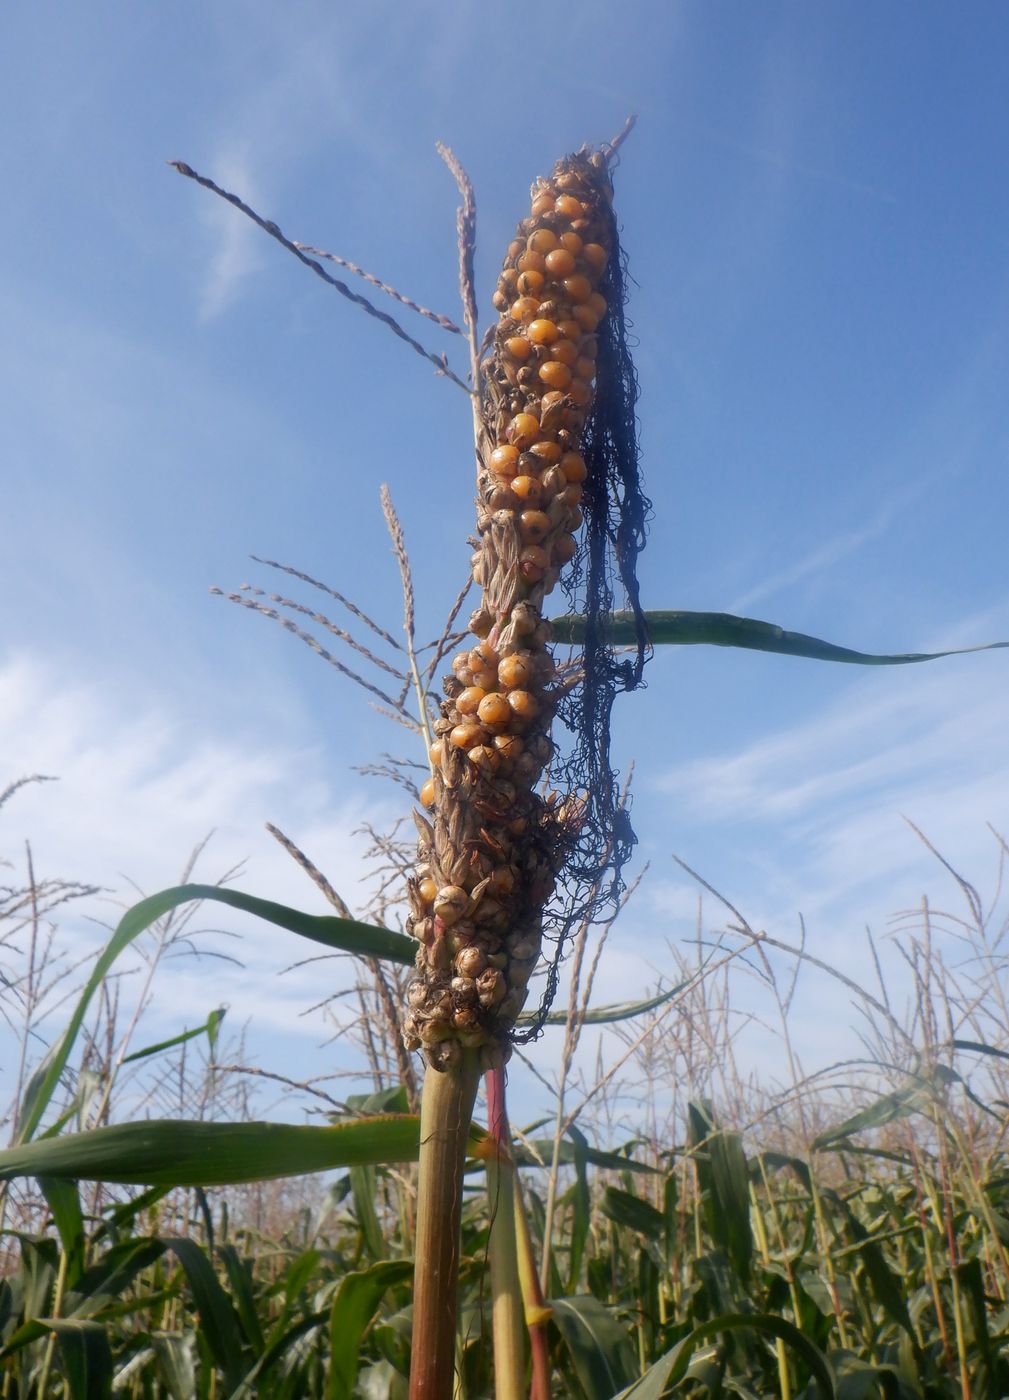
(823, 803)
(237, 244)
(136, 793)
(831, 551)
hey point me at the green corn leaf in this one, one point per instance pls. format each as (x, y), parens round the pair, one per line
(170, 1152)
(275, 1353)
(724, 1179)
(980, 1048)
(605, 1015)
(612, 1161)
(209, 1028)
(354, 1306)
(111, 1276)
(363, 1190)
(625, 1209)
(64, 1202)
(601, 1350)
(239, 1272)
(86, 1355)
(346, 935)
(726, 630)
(672, 1367)
(581, 1202)
(915, 1097)
(217, 1318)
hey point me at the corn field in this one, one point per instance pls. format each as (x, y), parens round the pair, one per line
(672, 1225)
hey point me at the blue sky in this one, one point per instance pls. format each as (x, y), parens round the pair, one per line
(815, 211)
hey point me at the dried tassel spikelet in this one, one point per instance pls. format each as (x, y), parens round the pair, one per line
(491, 845)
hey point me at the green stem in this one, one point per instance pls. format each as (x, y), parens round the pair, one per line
(61, 1280)
(507, 1312)
(445, 1114)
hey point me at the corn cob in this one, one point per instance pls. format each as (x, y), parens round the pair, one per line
(490, 845)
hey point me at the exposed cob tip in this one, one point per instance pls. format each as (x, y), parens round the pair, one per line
(491, 846)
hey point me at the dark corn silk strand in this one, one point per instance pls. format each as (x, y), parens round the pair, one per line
(490, 844)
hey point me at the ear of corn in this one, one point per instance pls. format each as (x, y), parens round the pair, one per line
(490, 844)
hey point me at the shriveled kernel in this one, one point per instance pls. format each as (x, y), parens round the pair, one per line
(450, 903)
(557, 375)
(530, 283)
(572, 242)
(523, 430)
(595, 255)
(563, 549)
(504, 460)
(547, 452)
(460, 667)
(509, 746)
(570, 329)
(484, 654)
(470, 962)
(491, 987)
(553, 481)
(560, 263)
(428, 793)
(586, 317)
(469, 700)
(494, 711)
(485, 758)
(502, 880)
(570, 181)
(564, 350)
(598, 303)
(481, 619)
(544, 240)
(573, 494)
(542, 331)
(580, 392)
(525, 619)
(466, 736)
(542, 204)
(578, 288)
(533, 564)
(518, 348)
(534, 526)
(528, 489)
(569, 207)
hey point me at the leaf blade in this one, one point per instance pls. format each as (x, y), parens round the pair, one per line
(183, 1153)
(679, 628)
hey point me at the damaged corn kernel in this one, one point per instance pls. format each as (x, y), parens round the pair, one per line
(490, 845)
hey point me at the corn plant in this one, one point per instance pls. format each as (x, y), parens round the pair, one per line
(501, 853)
